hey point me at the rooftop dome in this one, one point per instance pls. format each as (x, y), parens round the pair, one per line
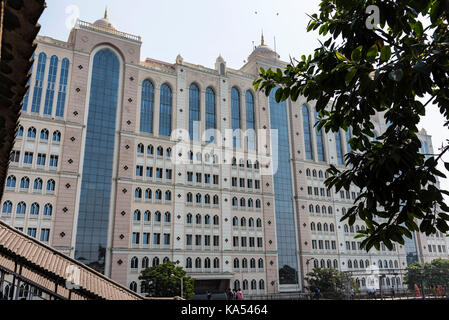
(104, 22)
(264, 50)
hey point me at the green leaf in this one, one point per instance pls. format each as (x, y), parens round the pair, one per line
(356, 54)
(385, 54)
(350, 75)
(341, 57)
(372, 53)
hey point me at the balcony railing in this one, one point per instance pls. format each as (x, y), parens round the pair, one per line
(89, 26)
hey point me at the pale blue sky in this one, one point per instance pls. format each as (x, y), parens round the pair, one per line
(200, 30)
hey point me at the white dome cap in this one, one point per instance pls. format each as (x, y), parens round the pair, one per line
(104, 22)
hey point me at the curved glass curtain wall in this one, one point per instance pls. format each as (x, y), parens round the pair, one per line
(250, 122)
(211, 114)
(62, 92)
(236, 117)
(307, 133)
(51, 83)
(147, 107)
(39, 82)
(165, 115)
(93, 219)
(194, 112)
(285, 221)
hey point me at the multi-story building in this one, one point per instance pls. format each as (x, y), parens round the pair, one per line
(111, 166)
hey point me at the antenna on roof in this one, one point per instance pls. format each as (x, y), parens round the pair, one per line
(275, 44)
(106, 12)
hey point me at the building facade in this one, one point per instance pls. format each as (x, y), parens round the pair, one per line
(123, 164)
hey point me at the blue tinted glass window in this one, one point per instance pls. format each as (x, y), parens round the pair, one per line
(319, 141)
(40, 72)
(49, 97)
(348, 137)
(340, 152)
(93, 219)
(62, 92)
(194, 112)
(211, 116)
(236, 116)
(250, 122)
(285, 222)
(147, 107)
(165, 118)
(307, 133)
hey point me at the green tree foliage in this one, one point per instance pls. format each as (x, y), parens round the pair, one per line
(159, 281)
(428, 274)
(399, 68)
(333, 284)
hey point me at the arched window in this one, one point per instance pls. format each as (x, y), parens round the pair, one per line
(147, 216)
(329, 264)
(207, 263)
(261, 285)
(261, 264)
(252, 263)
(390, 264)
(140, 148)
(251, 223)
(318, 210)
(312, 226)
(243, 222)
(136, 215)
(216, 220)
(158, 195)
(308, 173)
(7, 207)
(362, 265)
(147, 107)
(236, 117)
(160, 151)
(62, 92)
(189, 263)
(157, 216)
(138, 193)
(198, 219)
(235, 202)
(150, 150)
(396, 264)
(24, 183)
(11, 182)
(44, 135)
(318, 226)
(31, 133)
(189, 197)
(258, 204)
(331, 227)
(323, 210)
(236, 263)
(155, 261)
(168, 153)
(380, 264)
(315, 263)
(250, 203)
(253, 285)
(134, 263)
(148, 194)
(216, 263)
(165, 118)
(21, 208)
(325, 227)
(349, 264)
(236, 285)
(40, 73)
(259, 223)
(314, 173)
(34, 209)
(356, 264)
(329, 210)
(346, 228)
(250, 122)
(207, 199)
(320, 174)
(311, 208)
(335, 264)
(216, 200)
(339, 145)
(57, 136)
(207, 219)
(198, 263)
(37, 184)
(235, 222)
(245, 263)
(19, 132)
(198, 198)
(211, 118)
(194, 112)
(307, 133)
(51, 185)
(367, 264)
(48, 210)
(168, 195)
(322, 264)
(51, 83)
(145, 262)
(133, 286)
(242, 202)
(189, 218)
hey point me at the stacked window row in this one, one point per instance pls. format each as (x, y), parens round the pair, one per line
(246, 287)
(200, 178)
(243, 222)
(148, 195)
(199, 199)
(202, 240)
(150, 151)
(247, 242)
(252, 264)
(148, 217)
(38, 184)
(243, 203)
(21, 209)
(150, 173)
(33, 232)
(144, 238)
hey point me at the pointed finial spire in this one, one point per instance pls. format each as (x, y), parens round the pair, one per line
(106, 13)
(262, 42)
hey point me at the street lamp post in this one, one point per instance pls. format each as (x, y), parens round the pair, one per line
(182, 284)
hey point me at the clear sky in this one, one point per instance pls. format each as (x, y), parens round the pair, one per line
(200, 30)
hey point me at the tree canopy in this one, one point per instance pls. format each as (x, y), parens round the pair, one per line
(332, 283)
(159, 281)
(429, 275)
(399, 68)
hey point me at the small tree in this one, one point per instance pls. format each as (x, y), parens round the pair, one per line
(333, 284)
(428, 275)
(164, 281)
